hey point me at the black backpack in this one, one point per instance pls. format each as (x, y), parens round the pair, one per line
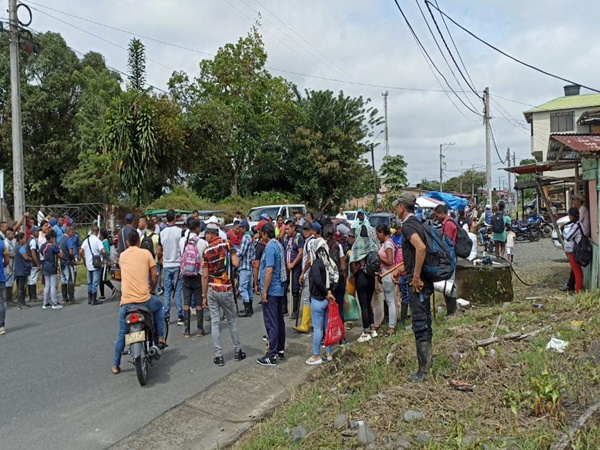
(464, 244)
(498, 223)
(372, 263)
(147, 243)
(440, 258)
(582, 250)
(324, 220)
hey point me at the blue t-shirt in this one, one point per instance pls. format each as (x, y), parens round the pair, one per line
(2, 276)
(271, 258)
(59, 232)
(397, 240)
(50, 252)
(66, 244)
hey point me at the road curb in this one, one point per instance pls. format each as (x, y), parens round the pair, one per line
(220, 414)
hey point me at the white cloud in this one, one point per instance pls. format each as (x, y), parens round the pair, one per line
(368, 41)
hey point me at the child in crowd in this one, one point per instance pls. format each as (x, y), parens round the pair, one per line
(50, 255)
(510, 243)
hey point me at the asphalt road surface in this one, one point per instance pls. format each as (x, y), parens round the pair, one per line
(57, 390)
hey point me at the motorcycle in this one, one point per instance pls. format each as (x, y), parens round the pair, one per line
(142, 339)
(526, 232)
(544, 227)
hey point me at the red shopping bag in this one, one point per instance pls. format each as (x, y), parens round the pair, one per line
(335, 326)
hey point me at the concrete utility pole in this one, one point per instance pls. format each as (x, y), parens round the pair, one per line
(374, 175)
(488, 148)
(509, 183)
(442, 163)
(473, 181)
(385, 113)
(17, 128)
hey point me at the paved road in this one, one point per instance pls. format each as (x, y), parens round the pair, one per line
(57, 390)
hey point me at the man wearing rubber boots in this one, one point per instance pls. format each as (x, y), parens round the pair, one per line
(419, 289)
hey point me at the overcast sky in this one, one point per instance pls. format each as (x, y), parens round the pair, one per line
(366, 42)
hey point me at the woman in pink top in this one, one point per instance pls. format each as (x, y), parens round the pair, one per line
(386, 254)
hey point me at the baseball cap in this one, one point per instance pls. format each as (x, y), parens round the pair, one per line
(317, 227)
(211, 228)
(352, 233)
(360, 211)
(212, 219)
(406, 198)
(128, 217)
(34, 229)
(53, 222)
(244, 224)
(265, 216)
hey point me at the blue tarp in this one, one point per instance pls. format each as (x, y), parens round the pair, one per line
(455, 203)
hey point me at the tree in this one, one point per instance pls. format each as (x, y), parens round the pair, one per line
(529, 193)
(393, 170)
(468, 181)
(137, 65)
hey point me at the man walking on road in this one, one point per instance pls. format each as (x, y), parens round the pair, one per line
(246, 255)
(217, 290)
(67, 266)
(92, 246)
(273, 279)
(169, 242)
(137, 265)
(419, 290)
(34, 248)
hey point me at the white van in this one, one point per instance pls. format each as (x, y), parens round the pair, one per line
(287, 211)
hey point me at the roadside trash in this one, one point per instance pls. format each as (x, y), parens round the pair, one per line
(460, 385)
(576, 325)
(557, 344)
(462, 302)
(536, 307)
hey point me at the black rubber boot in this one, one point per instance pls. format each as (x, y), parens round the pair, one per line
(285, 306)
(186, 323)
(403, 313)
(32, 292)
(425, 358)
(450, 305)
(8, 294)
(250, 309)
(243, 312)
(295, 306)
(94, 299)
(71, 294)
(199, 322)
(64, 292)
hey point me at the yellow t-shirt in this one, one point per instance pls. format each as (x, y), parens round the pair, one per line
(135, 266)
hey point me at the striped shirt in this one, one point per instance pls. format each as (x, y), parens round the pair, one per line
(246, 252)
(216, 261)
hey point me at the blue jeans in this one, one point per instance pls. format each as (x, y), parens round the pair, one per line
(403, 289)
(155, 306)
(320, 314)
(246, 285)
(94, 280)
(170, 275)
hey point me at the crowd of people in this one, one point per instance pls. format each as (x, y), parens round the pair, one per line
(295, 266)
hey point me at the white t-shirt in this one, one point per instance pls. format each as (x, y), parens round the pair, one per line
(342, 216)
(169, 239)
(200, 245)
(91, 242)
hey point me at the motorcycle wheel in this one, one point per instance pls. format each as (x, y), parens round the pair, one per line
(166, 328)
(141, 369)
(546, 230)
(536, 235)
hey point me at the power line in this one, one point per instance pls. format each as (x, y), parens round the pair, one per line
(424, 51)
(506, 54)
(495, 145)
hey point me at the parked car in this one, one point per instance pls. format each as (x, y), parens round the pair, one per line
(382, 217)
(351, 215)
(562, 221)
(287, 211)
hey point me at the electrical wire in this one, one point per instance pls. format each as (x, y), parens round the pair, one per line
(444, 56)
(506, 54)
(431, 60)
(495, 145)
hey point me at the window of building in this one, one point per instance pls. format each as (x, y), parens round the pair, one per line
(562, 121)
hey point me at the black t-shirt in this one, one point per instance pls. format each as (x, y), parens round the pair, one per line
(123, 237)
(409, 227)
(260, 248)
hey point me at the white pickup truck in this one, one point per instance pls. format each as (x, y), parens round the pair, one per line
(287, 211)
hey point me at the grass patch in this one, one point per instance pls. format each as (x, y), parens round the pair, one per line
(523, 397)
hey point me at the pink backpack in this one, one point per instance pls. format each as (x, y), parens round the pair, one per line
(398, 259)
(191, 262)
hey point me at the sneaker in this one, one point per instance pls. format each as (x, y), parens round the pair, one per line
(45, 306)
(102, 297)
(265, 338)
(240, 355)
(314, 361)
(280, 355)
(201, 332)
(2, 330)
(180, 322)
(374, 333)
(219, 361)
(329, 357)
(266, 361)
(57, 306)
(365, 337)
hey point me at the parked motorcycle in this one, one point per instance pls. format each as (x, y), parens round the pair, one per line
(142, 339)
(526, 232)
(544, 227)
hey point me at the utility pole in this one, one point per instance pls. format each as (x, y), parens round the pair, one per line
(17, 128)
(442, 163)
(488, 148)
(385, 114)
(473, 182)
(509, 193)
(514, 158)
(374, 176)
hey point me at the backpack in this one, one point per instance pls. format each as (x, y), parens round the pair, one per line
(191, 262)
(464, 244)
(334, 253)
(398, 259)
(331, 269)
(324, 220)
(498, 223)
(582, 250)
(440, 259)
(148, 243)
(372, 263)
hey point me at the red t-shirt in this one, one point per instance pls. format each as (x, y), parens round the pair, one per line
(450, 228)
(235, 239)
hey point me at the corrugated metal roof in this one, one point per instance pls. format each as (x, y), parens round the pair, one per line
(539, 168)
(568, 102)
(585, 143)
